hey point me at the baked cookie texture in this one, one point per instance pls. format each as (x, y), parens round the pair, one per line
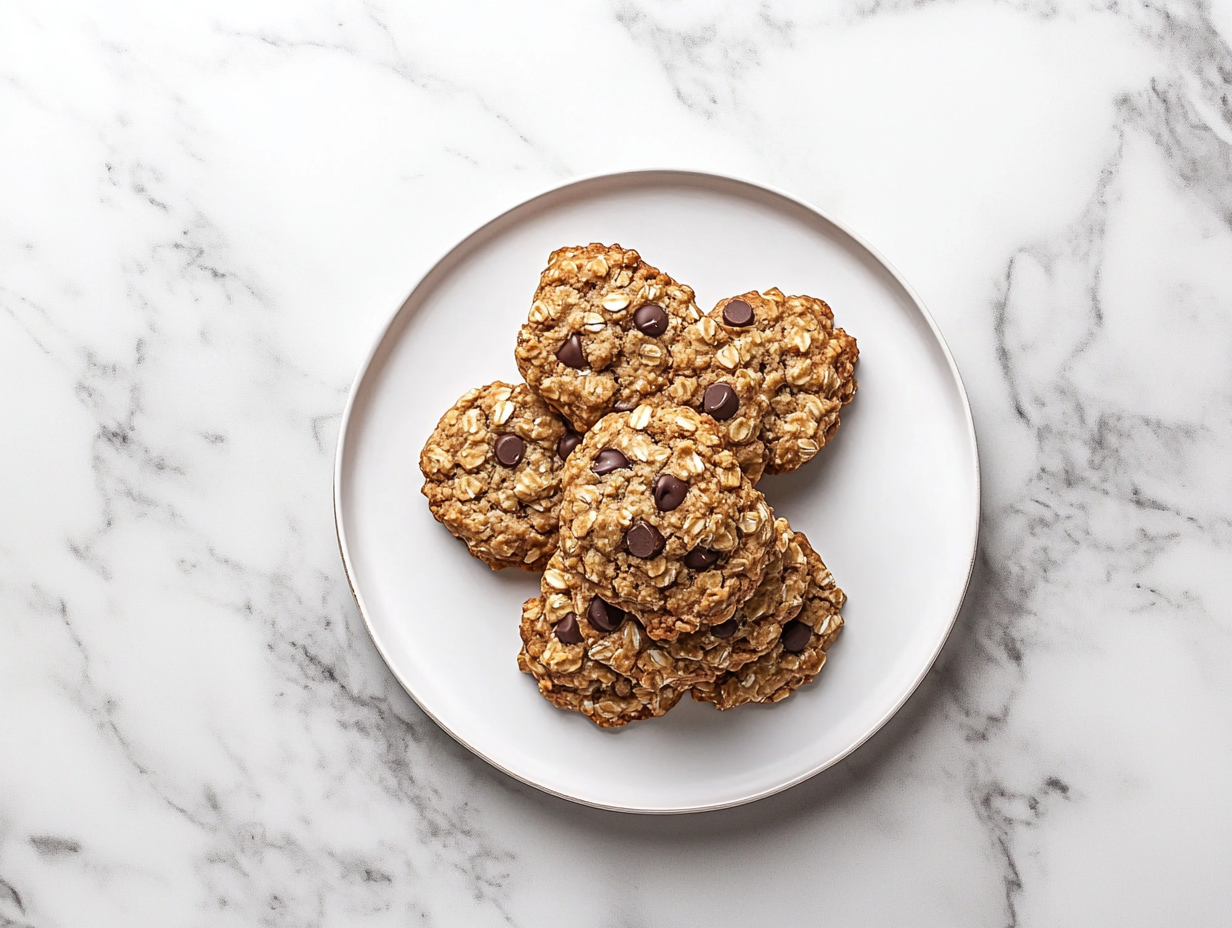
(569, 679)
(657, 519)
(625, 469)
(798, 654)
(492, 475)
(789, 368)
(599, 331)
(619, 641)
(752, 630)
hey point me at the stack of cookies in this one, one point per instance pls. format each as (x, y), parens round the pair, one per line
(625, 468)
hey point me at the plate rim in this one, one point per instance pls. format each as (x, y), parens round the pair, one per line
(661, 174)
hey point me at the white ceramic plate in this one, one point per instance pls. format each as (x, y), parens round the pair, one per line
(892, 504)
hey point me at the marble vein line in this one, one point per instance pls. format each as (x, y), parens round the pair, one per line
(1087, 455)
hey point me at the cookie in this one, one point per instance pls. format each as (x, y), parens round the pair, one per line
(492, 474)
(773, 370)
(554, 654)
(752, 630)
(620, 641)
(657, 519)
(599, 331)
(796, 657)
(601, 628)
(718, 370)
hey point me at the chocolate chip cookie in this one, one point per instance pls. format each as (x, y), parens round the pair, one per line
(599, 331)
(554, 654)
(492, 474)
(773, 370)
(657, 519)
(619, 640)
(796, 657)
(752, 630)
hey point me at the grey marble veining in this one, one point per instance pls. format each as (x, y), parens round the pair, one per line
(210, 210)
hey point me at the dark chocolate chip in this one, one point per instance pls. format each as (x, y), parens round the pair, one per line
(650, 320)
(738, 313)
(796, 636)
(720, 401)
(724, 629)
(570, 353)
(604, 616)
(701, 559)
(644, 540)
(567, 443)
(669, 492)
(509, 450)
(567, 631)
(608, 460)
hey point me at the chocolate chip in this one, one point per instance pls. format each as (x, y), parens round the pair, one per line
(669, 492)
(567, 631)
(651, 320)
(608, 460)
(738, 313)
(567, 443)
(644, 540)
(509, 450)
(701, 559)
(724, 629)
(796, 635)
(570, 353)
(604, 616)
(720, 401)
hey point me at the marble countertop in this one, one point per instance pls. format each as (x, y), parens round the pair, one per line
(208, 210)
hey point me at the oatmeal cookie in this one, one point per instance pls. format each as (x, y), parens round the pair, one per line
(773, 370)
(657, 519)
(599, 332)
(602, 627)
(620, 641)
(492, 474)
(554, 654)
(796, 657)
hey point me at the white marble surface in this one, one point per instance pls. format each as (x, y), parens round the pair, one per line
(207, 210)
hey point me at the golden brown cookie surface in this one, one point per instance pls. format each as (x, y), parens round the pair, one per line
(783, 368)
(555, 655)
(619, 640)
(796, 657)
(599, 332)
(492, 474)
(658, 519)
